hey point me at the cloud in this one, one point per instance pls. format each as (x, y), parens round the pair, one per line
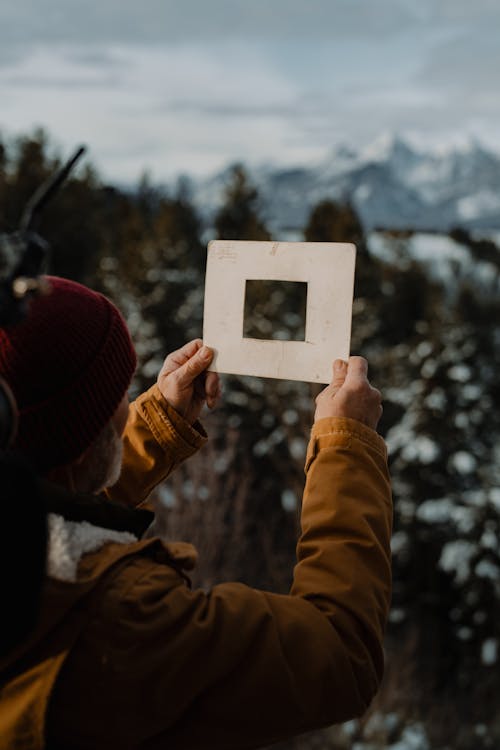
(190, 86)
(171, 110)
(172, 22)
(468, 61)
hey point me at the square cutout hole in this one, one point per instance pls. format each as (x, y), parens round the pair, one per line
(275, 310)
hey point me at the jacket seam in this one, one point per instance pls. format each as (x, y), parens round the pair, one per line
(162, 442)
(352, 435)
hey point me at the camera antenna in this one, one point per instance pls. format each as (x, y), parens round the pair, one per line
(44, 193)
(23, 253)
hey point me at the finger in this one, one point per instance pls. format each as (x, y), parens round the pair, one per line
(339, 373)
(180, 356)
(212, 401)
(357, 367)
(198, 363)
(211, 386)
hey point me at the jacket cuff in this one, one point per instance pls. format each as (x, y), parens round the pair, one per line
(341, 431)
(166, 423)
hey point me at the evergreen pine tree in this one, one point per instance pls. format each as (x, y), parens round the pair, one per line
(238, 218)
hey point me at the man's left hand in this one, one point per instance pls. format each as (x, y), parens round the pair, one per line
(185, 383)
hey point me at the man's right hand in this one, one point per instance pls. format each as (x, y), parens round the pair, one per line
(350, 394)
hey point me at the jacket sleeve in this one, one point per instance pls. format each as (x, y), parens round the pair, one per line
(241, 668)
(156, 440)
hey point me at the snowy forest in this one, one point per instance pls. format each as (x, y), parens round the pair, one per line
(426, 316)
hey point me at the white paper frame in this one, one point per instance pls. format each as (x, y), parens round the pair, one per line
(328, 270)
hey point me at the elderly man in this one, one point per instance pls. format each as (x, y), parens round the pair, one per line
(125, 654)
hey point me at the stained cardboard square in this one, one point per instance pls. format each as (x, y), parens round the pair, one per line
(328, 270)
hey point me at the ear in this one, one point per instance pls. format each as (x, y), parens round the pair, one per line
(63, 475)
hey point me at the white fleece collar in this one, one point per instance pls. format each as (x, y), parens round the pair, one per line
(70, 540)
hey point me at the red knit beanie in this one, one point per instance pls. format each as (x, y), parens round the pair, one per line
(69, 364)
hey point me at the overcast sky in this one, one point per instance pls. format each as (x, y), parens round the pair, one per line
(189, 85)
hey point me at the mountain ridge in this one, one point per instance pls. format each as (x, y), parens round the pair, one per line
(390, 183)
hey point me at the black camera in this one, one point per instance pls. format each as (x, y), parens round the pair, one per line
(23, 256)
(22, 259)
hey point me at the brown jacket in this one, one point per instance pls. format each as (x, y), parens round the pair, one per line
(126, 655)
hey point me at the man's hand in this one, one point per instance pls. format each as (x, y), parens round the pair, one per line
(350, 394)
(184, 382)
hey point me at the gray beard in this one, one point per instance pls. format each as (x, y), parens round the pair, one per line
(102, 464)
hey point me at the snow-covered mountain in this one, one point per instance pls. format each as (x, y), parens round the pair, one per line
(390, 183)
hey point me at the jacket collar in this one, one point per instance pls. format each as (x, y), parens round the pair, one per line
(95, 509)
(70, 540)
(83, 524)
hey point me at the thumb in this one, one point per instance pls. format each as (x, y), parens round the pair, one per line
(339, 374)
(194, 367)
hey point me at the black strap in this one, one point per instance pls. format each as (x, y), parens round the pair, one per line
(95, 509)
